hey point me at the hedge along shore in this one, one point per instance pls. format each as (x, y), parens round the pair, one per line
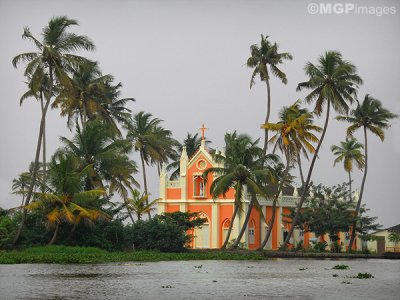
(82, 255)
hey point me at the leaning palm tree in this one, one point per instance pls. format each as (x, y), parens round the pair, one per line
(333, 83)
(369, 115)
(55, 56)
(262, 57)
(243, 165)
(67, 202)
(349, 152)
(151, 141)
(294, 133)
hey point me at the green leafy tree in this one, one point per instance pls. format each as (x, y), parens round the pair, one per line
(372, 116)
(293, 133)
(153, 142)
(242, 165)
(67, 201)
(55, 57)
(263, 57)
(349, 152)
(333, 82)
(139, 204)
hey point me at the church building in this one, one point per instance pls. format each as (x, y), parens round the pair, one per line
(192, 193)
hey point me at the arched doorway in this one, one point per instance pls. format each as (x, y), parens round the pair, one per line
(202, 234)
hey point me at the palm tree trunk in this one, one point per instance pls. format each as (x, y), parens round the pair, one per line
(129, 210)
(269, 231)
(267, 115)
(246, 221)
(353, 229)
(310, 170)
(44, 147)
(53, 239)
(300, 169)
(34, 173)
(144, 180)
(350, 196)
(228, 234)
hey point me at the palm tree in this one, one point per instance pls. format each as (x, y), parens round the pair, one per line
(54, 56)
(369, 115)
(264, 56)
(192, 144)
(67, 202)
(349, 151)
(294, 133)
(242, 165)
(38, 88)
(20, 185)
(92, 95)
(153, 142)
(139, 204)
(106, 156)
(333, 83)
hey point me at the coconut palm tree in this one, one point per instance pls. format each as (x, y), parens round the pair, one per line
(92, 95)
(293, 134)
(139, 204)
(66, 201)
(55, 56)
(263, 57)
(38, 88)
(333, 82)
(192, 144)
(349, 151)
(153, 142)
(372, 116)
(106, 156)
(241, 166)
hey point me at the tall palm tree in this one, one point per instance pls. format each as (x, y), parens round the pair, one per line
(192, 144)
(55, 55)
(20, 185)
(369, 115)
(349, 151)
(242, 165)
(333, 82)
(152, 141)
(67, 202)
(264, 56)
(139, 204)
(38, 88)
(294, 133)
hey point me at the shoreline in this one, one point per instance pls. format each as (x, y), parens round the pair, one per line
(82, 255)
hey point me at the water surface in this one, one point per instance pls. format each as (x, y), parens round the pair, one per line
(271, 279)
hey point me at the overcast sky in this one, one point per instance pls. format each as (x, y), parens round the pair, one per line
(184, 62)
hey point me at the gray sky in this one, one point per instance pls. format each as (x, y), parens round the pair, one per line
(184, 62)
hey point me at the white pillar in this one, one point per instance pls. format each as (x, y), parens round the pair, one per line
(215, 225)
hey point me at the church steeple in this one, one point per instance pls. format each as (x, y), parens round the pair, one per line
(203, 139)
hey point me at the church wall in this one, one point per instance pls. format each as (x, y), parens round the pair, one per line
(171, 208)
(173, 193)
(255, 216)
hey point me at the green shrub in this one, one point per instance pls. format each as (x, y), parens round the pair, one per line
(341, 267)
(320, 246)
(166, 233)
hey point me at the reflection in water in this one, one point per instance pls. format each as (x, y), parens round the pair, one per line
(272, 279)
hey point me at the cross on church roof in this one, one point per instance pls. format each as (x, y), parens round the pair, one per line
(203, 130)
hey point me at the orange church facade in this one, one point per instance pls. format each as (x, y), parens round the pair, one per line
(192, 193)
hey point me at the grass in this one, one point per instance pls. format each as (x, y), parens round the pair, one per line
(88, 255)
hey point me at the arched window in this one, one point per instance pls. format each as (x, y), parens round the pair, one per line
(252, 232)
(198, 186)
(225, 229)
